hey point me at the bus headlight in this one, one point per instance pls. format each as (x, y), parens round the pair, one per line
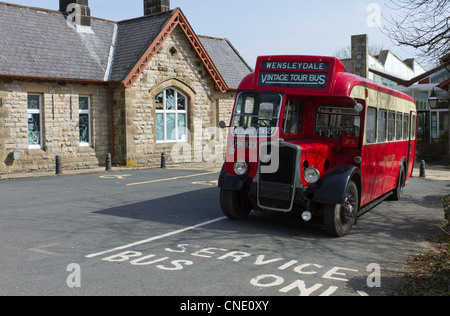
(240, 167)
(312, 175)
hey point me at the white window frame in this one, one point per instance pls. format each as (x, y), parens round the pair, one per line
(164, 112)
(88, 112)
(34, 111)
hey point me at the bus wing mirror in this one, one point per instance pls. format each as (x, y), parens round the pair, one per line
(222, 124)
(359, 107)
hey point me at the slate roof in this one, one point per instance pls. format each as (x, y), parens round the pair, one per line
(230, 64)
(38, 43)
(133, 39)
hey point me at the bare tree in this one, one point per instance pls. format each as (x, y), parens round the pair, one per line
(421, 24)
(376, 49)
(346, 52)
(343, 53)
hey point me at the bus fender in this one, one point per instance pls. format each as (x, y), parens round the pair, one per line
(403, 163)
(331, 188)
(230, 182)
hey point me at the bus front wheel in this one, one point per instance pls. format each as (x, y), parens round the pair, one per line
(234, 204)
(340, 218)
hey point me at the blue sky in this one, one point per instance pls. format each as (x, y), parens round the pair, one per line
(263, 27)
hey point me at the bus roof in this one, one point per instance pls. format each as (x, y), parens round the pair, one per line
(308, 75)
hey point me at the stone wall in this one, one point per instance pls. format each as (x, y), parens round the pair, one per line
(60, 126)
(4, 131)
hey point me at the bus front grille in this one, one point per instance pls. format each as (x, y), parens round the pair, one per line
(276, 190)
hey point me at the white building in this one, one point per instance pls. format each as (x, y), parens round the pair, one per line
(409, 77)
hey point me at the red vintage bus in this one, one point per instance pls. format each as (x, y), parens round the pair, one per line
(306, 136)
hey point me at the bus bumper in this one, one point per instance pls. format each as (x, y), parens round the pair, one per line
(231, 182)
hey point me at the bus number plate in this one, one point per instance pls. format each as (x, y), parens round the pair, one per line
(245, 144)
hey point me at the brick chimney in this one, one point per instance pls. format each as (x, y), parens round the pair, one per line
(77, 9)
(156, 6)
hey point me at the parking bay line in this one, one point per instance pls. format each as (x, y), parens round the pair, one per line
(145, 241)
(174, 178)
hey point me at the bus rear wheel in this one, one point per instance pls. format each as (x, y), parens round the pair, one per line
(340, 218)
(234, 204)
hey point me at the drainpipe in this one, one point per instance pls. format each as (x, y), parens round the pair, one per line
(111, 120)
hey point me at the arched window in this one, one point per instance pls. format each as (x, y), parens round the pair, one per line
(171, 116)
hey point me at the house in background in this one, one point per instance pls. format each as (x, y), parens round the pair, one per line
(409, 77)
(368, 66)
(81, 87)
(432, 120)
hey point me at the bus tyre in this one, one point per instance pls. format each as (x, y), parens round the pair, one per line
(339, 219)
(234, 204)
(401, 182)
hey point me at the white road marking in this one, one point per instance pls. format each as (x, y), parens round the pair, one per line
(41, 250)
(174, 178)
(145, 241)
(207, 183)
(110, 176)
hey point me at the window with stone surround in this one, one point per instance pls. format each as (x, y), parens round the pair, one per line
(34, 121)
(171, 116)
(84, 106)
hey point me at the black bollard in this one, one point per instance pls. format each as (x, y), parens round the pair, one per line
(58, 165)
(422, 169)
(108, 162)
(163, 160)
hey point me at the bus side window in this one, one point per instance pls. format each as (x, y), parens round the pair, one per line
(398, 132)
(391, 126)
(406, 126)
(382, 126)
(413, 127)
(371, 126)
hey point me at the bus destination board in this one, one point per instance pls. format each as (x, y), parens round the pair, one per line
(307, 75)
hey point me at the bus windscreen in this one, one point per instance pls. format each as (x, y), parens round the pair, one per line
(257, 112)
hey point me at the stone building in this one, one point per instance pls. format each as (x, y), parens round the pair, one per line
(81, 87)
